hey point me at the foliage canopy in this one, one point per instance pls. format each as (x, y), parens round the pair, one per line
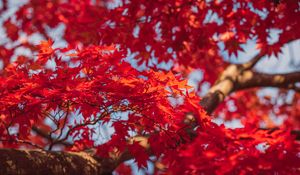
(124, 65)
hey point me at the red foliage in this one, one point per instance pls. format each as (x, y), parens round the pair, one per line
(70, 92)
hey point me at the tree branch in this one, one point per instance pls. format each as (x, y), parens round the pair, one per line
(236, 77)
(47, 136)
(33, 162)
(249, 79)
(250, 64)
(21, 162)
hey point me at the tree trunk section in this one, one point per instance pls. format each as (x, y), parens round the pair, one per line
(31, 162)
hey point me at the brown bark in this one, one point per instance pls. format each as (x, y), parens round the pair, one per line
(31, 162)
(236, 78)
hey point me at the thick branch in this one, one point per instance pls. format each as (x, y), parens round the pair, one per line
(249, 79)
(23, 162)
(222, 88)
(236, 77)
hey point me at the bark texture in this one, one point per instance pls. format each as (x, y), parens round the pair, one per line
(236, 78)
(38, 162)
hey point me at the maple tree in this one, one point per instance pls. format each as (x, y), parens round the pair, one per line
(124, 65)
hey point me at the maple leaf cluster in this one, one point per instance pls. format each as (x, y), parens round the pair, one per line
(92, 88)
(59, 97)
